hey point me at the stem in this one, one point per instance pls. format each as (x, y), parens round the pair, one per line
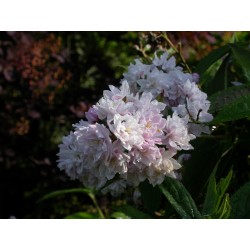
(92, 196)
(178, 51)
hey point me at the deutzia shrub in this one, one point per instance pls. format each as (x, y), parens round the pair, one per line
(134, 132)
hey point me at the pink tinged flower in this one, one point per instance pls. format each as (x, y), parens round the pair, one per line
(128, 130)
(198, 129)
(177, 137)
(70, 157)
(165, 63)
(116, 101)
(136, 71)
(85, 154)
(148, 103)
(152, 83)
(165, 167)
(191, 91)
(119, 159)
(198, 110)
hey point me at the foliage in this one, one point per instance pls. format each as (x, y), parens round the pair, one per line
(48, 80)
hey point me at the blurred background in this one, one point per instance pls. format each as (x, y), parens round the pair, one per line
(47, 81)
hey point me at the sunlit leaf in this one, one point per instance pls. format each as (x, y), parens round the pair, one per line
(66, 191)
(119, 215)
(224, 210)
(132, 212)
(82, 215)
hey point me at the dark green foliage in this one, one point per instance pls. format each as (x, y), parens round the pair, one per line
(179, 198)
(240, 203)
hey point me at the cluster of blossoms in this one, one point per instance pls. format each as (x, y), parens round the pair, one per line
(134, 131)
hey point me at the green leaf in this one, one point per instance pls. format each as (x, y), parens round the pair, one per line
(219, 80)
(119, 215)
(242, 56)
(238, 109)
(211, 58)
(215, 194)
(211, 197)
(132, 212)
(227, 96)
(66, 191)
(223, 186)
(82, 215)
(240, 203)
(151, 196)
(179, 198)
(224, 210)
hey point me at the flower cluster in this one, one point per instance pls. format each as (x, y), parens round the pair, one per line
(127, 138)
(179, 90)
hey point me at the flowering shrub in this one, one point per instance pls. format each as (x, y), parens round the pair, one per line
(171, 140)
(130, 135)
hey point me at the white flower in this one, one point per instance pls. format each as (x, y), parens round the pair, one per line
(128, 130)
(177, 137)
(164, 63)
(85, 154)
(165, 167)
(116, 101)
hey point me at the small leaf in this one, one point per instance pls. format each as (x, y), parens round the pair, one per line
(179, 198)
(82, 215)
(132, 212)
(240, 203)
(66, 191)
(211, 58)
(238, 109)
(242, 56)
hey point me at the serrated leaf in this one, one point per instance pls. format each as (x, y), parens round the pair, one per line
(227, 96)
(151, 196)
(179, 198)
(240, 203)
(211, 58)
(238, 109)
(132, 212)
(82, 215)
(66, 191)
(242, 56)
